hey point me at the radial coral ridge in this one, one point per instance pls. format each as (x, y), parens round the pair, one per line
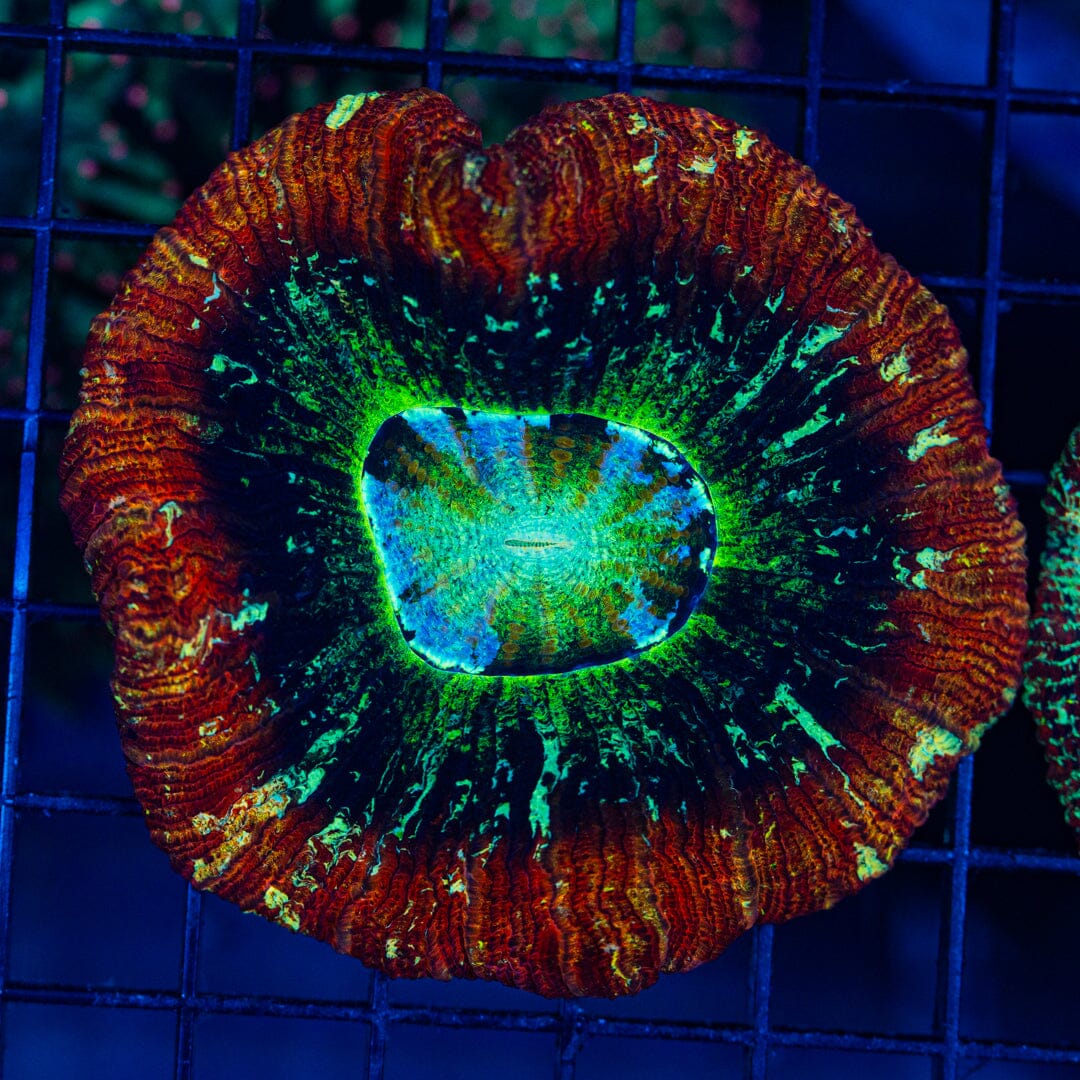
(1052, 676)
(398, 668)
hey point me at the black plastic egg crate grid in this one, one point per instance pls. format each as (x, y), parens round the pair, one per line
(755, 1044)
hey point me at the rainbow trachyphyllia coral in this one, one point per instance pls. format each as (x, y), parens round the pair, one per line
(537, 562)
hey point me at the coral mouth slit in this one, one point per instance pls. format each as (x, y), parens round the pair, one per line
(533, 544)
(535, 547)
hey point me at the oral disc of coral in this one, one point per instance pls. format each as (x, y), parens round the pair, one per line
(525, 544)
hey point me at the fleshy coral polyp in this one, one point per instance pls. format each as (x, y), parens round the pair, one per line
(537, 562)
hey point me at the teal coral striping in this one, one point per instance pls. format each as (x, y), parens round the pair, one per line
(1052, 673)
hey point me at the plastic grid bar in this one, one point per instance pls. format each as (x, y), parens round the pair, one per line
(568, 1022)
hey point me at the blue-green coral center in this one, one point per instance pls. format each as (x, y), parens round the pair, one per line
(529, 544)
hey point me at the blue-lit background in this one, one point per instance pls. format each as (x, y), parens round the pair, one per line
(953, 126)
